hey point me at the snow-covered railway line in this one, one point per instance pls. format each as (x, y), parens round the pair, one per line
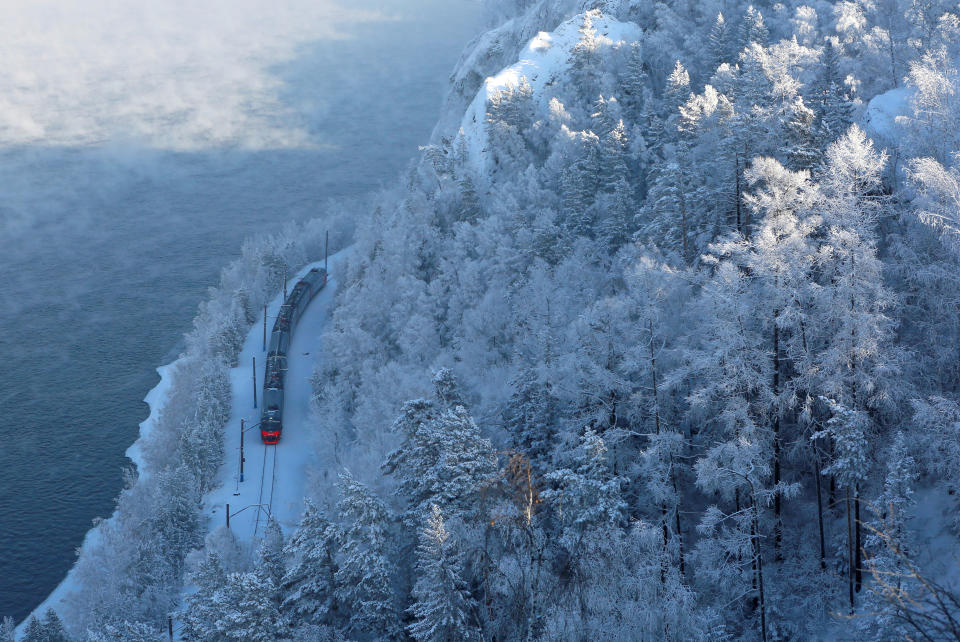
(274, 482)
(263, 483)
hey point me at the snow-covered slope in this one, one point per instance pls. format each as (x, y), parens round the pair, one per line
(542, 62)
(492, 51)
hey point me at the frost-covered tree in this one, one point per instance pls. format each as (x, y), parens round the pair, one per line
(443, 459)
(466, 462)
(531, 415)
(7, 628)
(443, 610)
(364, 579)
(665, 218)
(579, 186)
(50, 629)
(636, 82)
(800, 128)
(446, 389)
(200, 611)
(939, 202)
(584, 61)
(720, 42)
(847, 430)
(127, 632)
(678, 87)
(830, 101)
(932, 126)
(752, 29)
(614, 147)
(854, 364)
(588, 496)
(889, 540)
(270, 557)
(308, 583)
(244, 608)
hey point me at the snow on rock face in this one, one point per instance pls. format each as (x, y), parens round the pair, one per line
(495, 49)
(542, 62)
(880, 118)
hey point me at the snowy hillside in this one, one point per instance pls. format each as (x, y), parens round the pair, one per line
(543, 62)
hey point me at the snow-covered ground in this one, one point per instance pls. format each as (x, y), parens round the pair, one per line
(273, 475)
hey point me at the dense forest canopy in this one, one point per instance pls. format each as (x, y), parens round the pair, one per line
(658, 339)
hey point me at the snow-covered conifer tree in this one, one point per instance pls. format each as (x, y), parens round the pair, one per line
(719, 42)
(7, 628)
(531, 416)
(635, 83)
(617, 224)
(584, 59)
(446, 389)
(854, 366)
(830, 100)
(308, 584)
(245, 609)
(801, 136)
(588, 496)
(128, 632)
(753, 30)
(270, 564)
(613, 158)
(678, 87)
(50, 629)
(443, 609)
(364, 579)
(200, 612)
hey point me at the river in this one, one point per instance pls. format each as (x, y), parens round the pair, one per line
(139, 146)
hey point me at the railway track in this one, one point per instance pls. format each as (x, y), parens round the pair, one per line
(263, 485)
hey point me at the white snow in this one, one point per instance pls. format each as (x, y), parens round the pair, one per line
(880, 118)
(542, 62)
(156, 399)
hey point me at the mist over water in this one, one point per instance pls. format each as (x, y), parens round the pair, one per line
(139, 145)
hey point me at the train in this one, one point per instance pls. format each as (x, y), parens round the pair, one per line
(271, 417)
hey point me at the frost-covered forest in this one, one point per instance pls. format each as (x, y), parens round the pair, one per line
(658, 339)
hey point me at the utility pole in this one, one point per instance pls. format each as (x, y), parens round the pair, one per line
(228, 515)
(241, 450)
(284, 284)
(326, 247)
(264, 327)
(254, 382)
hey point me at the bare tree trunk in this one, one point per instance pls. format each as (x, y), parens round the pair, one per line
(738, 197)
(656, 417)
(683, 223)
(823, 546)
(850, 546)
(683, 570)
(777, 499)
(858, 553)
(758, 567)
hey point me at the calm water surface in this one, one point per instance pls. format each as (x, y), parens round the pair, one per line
(115, 244)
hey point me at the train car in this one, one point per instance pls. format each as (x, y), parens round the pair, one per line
(271, 418)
